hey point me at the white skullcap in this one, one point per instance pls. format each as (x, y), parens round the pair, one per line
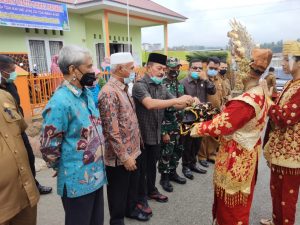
(121, 58)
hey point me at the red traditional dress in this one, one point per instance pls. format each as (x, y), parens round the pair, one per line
(283, 153)
(239, 127)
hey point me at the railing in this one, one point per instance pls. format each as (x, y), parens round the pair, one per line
(43, 86)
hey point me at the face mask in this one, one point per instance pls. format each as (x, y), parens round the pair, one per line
(12, 77)
(212, 73)
(87, 79)
(223, 72)
(195, 75)
(156, 80)
(173, 73)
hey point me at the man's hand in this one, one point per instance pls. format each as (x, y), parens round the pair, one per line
(130, 164)
(166, 138)
(186, 100)
(203, 75)
(268, 92)
(196, 101)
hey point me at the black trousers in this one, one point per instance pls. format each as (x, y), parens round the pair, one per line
(191, 147)
(122, 192)
(84, 210)
(149, 157)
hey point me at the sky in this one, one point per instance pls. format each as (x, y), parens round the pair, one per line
(208, 23)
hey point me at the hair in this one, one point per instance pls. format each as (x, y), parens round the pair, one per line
(5, 61)
(71, 55)
(215, 60)
(223, 61)
(271, 69)
(194, 61)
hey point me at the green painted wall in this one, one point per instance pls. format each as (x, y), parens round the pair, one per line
(16, 39)
(94, 29)
(82, 34)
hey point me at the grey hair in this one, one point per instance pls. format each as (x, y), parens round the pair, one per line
(71, 55)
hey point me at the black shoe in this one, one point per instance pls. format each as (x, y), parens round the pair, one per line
(176, 178)
(203, 163)
(187, 173)
(195, 168)
(157, 196)
(137, 214)
(165, 182)
(44, 190)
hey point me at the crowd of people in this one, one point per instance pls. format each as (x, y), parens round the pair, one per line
(123, 137)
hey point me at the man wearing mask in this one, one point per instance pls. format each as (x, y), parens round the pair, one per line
(122, 138)
(171, 145)
(223, 68)
(151, 98)
(72, 142)
(282, 149)
(209, 145)
(8, 76)
(197, 85)
(18, 192)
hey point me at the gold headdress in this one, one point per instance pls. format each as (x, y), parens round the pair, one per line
(241, 45)
(291, 47)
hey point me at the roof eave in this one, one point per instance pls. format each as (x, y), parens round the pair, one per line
(107, 4)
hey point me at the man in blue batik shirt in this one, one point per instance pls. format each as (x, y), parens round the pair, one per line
(72, 142)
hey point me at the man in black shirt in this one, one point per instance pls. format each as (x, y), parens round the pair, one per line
(7, 77)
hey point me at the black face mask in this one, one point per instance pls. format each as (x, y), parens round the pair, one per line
(223, 72)
(173, 73)
(87, 79)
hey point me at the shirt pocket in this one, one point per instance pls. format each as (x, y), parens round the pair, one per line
(10, 113)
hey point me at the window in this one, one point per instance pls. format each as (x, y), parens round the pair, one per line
(38, 55)
(41, 53)
(100, 53)
(55, 47)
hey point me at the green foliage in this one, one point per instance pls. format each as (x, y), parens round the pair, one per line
(203, 56)
(275, 47)
(177, 54)
(182, 74)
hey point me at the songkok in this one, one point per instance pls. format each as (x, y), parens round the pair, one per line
(291, 47)
(261, 59)
(158, 58)
(121, 58)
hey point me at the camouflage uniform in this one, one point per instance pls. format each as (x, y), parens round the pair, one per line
(171, 152)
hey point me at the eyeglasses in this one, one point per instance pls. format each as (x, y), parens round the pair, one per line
(197, 68)
(210, 68)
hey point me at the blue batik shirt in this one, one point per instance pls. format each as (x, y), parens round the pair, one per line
(72, 142)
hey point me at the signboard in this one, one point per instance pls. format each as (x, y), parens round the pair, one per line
(38, 14)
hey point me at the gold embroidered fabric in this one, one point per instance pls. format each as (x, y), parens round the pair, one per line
(283, 146)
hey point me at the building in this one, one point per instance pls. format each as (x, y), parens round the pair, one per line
(99, 25)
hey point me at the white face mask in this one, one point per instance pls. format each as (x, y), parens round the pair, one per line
(291, 62)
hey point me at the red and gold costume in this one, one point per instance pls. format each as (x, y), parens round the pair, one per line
(239, 128)
(283, 152)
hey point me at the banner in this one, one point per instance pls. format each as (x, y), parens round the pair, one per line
(38, 14)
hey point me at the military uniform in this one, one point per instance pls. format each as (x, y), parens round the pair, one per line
(209, 145)
(226, 89)
(19, 194)
(171, 152)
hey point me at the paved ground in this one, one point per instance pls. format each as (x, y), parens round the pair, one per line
(189, 204)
